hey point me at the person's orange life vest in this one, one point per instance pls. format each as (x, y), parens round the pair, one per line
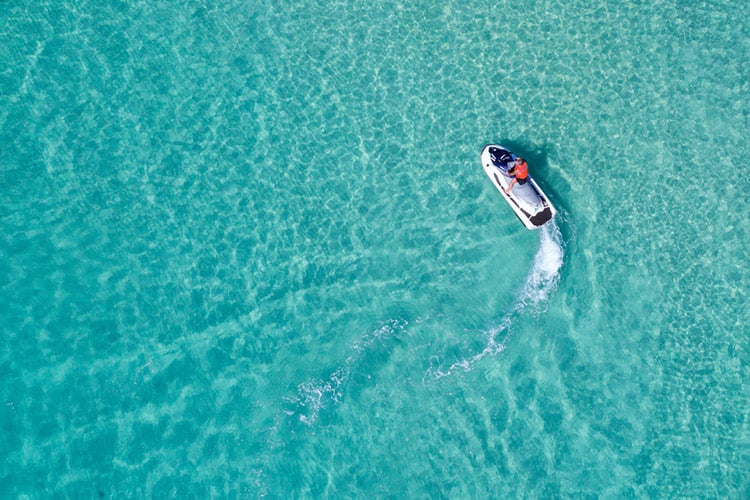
(521, 170)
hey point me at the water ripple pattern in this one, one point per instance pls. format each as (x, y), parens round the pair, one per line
(247, 250)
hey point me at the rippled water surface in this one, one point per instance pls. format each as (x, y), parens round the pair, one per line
(248, 250)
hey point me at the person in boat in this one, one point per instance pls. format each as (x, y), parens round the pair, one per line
(519, 173)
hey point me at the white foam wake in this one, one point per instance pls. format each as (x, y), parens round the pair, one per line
(540, 284)
(545, 271)
(314, 395)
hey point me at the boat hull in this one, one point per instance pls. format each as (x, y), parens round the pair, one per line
(532, 207)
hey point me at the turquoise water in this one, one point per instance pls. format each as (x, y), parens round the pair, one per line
(248, 250)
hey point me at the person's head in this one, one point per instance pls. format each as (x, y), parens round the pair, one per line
(521, 160)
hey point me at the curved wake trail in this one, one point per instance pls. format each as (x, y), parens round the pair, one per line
(544, 276)
(540, 283)
(314, 395)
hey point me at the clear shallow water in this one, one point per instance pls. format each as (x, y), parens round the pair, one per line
(249, 250)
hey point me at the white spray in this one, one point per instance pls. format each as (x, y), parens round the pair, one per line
(540, 283)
